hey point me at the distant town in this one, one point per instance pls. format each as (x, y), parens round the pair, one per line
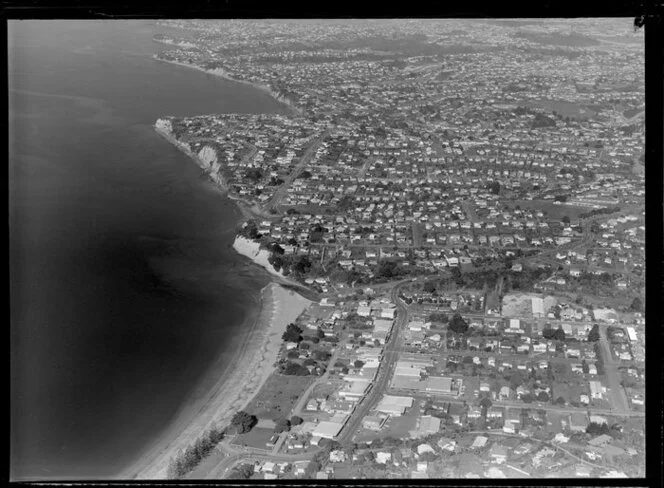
(465, 202)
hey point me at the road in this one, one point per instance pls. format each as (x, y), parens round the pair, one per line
(225, 466)
(612, 375)
(304, 160)
(383, 374)
(543, 406)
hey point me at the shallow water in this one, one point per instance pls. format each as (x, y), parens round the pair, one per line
(124, 289)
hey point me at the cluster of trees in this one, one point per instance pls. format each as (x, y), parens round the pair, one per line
(289, 264)
(250, 231)
(593, 334)
(555, 334)
(524, 280)
(458, 324)
(242, 422)
(254, 174)
(588, 283)
(316, 233)
(598, 429)
(542, 120)
(242, 471)
(390, 269)
(282, 425)
(599, 211)
(292, 368)
(185, 461)
(293, 333)
(493, 187)
(637, 305)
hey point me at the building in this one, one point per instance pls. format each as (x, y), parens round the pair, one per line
(631, 334)
(596, 390)
(327, 429)
(394, 405)
(372, 422)
(498, 453)
(355, 389)
(439, 384)
(480, 441)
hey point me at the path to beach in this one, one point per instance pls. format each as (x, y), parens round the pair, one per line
(279, 307)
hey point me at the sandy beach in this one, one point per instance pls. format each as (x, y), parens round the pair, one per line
(254, 364)
(252, 250)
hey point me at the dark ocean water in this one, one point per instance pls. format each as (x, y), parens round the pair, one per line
(124, 290)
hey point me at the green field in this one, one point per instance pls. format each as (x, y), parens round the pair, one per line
(256, 438)
(565, 109)
(278, 395)
(549, 209)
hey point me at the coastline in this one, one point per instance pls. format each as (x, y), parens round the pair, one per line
(251, 366)
(248, 211)
(222, 73)
(280, 303)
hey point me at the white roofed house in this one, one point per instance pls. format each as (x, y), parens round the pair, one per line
(596, 390)
(328, 430)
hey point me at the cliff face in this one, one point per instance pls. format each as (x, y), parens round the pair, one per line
(209, 156)
(164, 125)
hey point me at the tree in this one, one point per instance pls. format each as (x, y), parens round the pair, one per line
(292, 334)
(243, 471)
(559, 334)
(282, 425)
(243, 422)
(429, 286)
(358, 364)
(593, 335)
(527, 398)
(597, 429)
(458, 324)
(277, 249)
(294, 369)
(543, 396)
(302, 265)
(494, 187)
(322, 355)
(637, 305)
(296, 420)
(565, 219)
(486, 403)
(516, 379)
(176, 467)
(254, 174)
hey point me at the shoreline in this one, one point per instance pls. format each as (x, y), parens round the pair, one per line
(250, 249)
(251, 366)
(247, 211)
(222, 73)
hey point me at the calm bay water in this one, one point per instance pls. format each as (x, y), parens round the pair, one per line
(124, 290)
